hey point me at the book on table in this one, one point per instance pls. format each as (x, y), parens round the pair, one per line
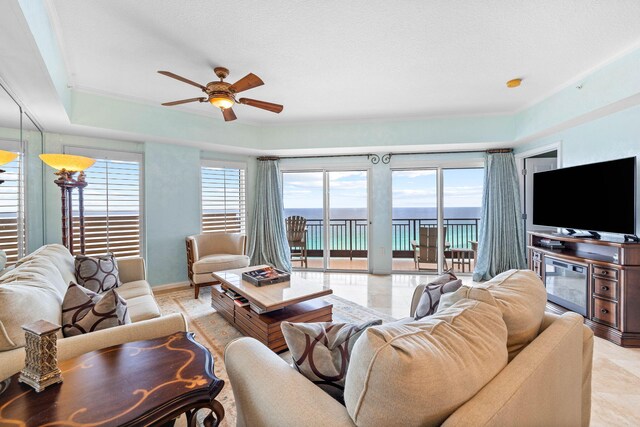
(265, 276)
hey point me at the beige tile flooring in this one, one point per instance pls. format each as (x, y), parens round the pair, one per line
(616, 370)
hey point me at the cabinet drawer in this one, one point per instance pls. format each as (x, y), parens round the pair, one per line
(605, 288)
(221, 298)
(605, 312)
(609, 273)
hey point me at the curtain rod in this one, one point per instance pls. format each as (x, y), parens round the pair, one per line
(386, 158)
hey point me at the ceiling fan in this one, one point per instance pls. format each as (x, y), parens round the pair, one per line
(222, 94)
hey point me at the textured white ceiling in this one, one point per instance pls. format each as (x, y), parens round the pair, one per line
(344, 60)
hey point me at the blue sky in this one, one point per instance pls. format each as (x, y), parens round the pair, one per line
(411, 188)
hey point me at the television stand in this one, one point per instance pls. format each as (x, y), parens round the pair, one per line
(613, 281)
(583, 234)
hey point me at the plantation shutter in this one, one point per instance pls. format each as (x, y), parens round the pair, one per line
(223, 197)
(112, 204)
(12, 222)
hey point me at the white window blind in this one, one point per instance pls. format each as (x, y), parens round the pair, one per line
(12, 223)
(223, 198)
(112, 204)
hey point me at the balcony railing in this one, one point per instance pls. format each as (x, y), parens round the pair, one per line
(349, 237)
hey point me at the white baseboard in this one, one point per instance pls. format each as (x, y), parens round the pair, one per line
(170, 286)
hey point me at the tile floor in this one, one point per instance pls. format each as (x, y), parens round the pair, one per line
(616, 370)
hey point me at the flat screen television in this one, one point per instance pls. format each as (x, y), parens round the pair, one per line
(599, 197)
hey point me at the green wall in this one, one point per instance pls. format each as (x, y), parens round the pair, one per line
(172, 208)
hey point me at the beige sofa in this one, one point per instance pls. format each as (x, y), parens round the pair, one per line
(547, 384)
(46, 273)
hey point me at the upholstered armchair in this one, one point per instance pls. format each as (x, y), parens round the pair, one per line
(211, 252)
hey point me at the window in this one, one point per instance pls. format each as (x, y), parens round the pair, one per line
(112, 203)
(223, 197)
(12, 227)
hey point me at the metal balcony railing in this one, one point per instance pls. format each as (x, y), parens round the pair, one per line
(349, 237)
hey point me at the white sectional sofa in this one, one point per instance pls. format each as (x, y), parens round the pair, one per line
(39, 282)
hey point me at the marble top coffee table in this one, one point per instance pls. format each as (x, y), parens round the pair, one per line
(298, 300)
(268, 298)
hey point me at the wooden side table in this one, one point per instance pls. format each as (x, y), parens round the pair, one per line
(461, 257)
(140, 383)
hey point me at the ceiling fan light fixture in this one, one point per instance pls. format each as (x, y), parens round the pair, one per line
(221, 101)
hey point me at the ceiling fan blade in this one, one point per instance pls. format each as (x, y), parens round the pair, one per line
(247, 82)
(228, 114)
(275, 108)
(182, 79)
(184, 101)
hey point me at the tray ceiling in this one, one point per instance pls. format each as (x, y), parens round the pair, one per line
(337, 60)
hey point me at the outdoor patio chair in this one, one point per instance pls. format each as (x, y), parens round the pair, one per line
(297, 238)
(425, 251)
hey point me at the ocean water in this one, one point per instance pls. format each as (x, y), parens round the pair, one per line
(349, 230)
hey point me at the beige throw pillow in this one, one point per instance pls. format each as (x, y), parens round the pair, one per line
(85, 311)
(521, 297)
(59, 256)
(24, 302)
(98, 274)
(38, 269)
(419, 373)
(321, 351)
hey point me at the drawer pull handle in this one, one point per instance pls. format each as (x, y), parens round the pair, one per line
(604, 311)
(605, 272)
(605, 288)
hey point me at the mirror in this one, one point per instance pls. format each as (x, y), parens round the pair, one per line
(21, 196)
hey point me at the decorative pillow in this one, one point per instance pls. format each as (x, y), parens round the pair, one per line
(98, 274)
(520, 296)
(24, 302)
(419, 373)
(321, 351)
(85, 311)
(430, 298)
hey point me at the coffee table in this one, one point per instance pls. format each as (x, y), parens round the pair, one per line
(140, 383)
(297, 300)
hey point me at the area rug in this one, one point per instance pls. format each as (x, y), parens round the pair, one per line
(215, 333)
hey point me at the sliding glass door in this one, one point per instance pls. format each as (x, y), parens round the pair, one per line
(436, 218)
(334, 205)
(304, 197)
(462, 202)
(415, 213)
(348, 219)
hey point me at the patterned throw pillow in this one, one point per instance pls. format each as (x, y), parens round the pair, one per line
(430, 298)
(321, 351)
(98, 274)
(85, 311)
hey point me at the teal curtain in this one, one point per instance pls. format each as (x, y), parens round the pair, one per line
(501, 243)
(268, 237)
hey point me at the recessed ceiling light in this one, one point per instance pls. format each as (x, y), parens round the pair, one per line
(514, 83)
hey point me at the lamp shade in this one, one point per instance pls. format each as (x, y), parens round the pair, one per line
(221, 101)
(7, 157)
(67, 161)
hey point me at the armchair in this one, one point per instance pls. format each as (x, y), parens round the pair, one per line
(211, 252)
